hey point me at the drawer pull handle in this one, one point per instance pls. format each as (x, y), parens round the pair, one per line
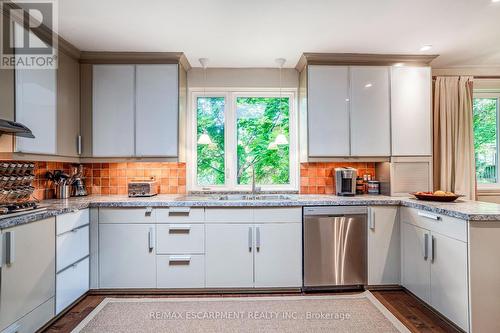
(149, 211)
(179, 229)
(371, 221)
(179, 260)
(179, 211)
(429, 216)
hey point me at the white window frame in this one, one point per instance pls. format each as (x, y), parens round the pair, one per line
(230, 139)
(491, 94)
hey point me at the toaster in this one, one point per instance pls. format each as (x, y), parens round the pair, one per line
(143, 187)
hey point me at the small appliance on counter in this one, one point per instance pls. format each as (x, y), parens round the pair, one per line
(345, 181)
(78, 188)
(143, 187)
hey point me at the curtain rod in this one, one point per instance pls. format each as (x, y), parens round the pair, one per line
(491, 77)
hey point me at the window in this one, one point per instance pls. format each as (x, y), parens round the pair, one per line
(237, 135)
(486, 111)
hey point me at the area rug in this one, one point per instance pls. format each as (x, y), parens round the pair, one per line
(333, 313)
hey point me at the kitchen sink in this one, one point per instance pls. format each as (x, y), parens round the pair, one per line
(235, 197)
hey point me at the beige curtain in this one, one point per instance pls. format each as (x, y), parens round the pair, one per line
(454, 164)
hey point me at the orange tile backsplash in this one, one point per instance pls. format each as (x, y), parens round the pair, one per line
(319, 178)
(112, 178)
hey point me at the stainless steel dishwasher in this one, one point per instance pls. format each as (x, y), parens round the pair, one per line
(335, 247)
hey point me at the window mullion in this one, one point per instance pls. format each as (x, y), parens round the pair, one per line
(230, 150)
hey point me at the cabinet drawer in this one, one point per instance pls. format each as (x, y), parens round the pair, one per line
(180, 238)
(180, 215)
(224, 215)
(71, 247)
(180, 271)
(71, 283)
(67, 222)
(289, 215)
(34, 320)
(127, 215)
(445, 225)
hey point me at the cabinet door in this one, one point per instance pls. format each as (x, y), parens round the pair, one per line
(71, 283)
(157, 110)
(113, 100)
(36, 109)
(229, 255)
(68, 105)
(127, 256)
(384, 259)
(278, 255)
(328, 111)
(449, 288)
(370, 111)
(411, 111)
(416, 275)
(28, 269)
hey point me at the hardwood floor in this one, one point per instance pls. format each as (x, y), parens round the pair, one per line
(408, 309)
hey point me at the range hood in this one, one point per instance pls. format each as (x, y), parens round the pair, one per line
(17, 129)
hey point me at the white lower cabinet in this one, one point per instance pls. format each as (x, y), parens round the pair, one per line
(72, 283)
(278, 255)
(384, 260)
(127, 256)
(435, 263)
(229, 255)
(180, 271)
(27, 276)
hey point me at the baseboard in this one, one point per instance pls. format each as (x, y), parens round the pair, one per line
(62, 313)
(191, 291)
(384, 287)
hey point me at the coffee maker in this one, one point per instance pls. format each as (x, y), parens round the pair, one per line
(345, 181)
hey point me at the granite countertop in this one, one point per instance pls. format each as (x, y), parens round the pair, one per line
(462, 209)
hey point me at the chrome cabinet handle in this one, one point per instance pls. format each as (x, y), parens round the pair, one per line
(426, 246)
(9, 248)
(150, 240)
(257, 239)
(429, 216)
(79, 144)
(372, 220)
(432, 249)
(176, 260)
(250, 239)
(177, 228)
(149, 211)
(179, 211)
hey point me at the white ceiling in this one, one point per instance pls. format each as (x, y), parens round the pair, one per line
(252, 33)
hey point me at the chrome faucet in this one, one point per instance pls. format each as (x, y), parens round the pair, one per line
(255, 189)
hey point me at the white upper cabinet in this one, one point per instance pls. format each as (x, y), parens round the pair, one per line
(157, 110)
(328, 111)
(370, 111)
(36, 109)
(411, 111)
(113, 111)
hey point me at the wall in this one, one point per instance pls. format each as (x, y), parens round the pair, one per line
(112, 178)
(319, 178)
(243, 78)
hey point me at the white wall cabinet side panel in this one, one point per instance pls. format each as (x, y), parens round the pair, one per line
(127, 256)
(71, 283)
(370, 111)
(113, 100)
(416, 268)
(328, 111)
(449, 286)
(36, 96)
(157, 110)
(384, 252)
(28, 274)
(411, 111)
(229, 255)
(278, 255)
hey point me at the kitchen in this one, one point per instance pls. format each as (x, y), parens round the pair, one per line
(188, 177)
